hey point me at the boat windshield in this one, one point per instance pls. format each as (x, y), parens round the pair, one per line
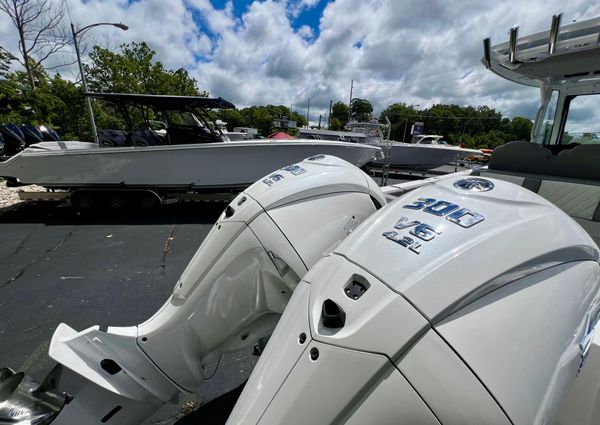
(182, 118)
(582, 125)
(545, 131)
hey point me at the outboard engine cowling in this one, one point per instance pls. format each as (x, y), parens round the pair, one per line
(231, 294)
(14, 140)
(467, 301)
(31, 133)
(49, 134)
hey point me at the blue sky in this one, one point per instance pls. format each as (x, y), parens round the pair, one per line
(308, 16)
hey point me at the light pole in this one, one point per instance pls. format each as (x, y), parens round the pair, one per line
(88, 102)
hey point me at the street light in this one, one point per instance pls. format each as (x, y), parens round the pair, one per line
(88, 102)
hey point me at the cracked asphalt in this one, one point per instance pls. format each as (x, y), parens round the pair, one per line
(57, 266)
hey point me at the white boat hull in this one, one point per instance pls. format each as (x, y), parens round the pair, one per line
(424, 157)
(211, 165)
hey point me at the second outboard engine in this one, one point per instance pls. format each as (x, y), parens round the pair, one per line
(31, 133)
(14, 140)
(468, 301)
(49, 134)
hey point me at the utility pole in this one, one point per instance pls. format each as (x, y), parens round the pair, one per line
(329, 116)
(308, 114)
(350, 102)
(320, 117)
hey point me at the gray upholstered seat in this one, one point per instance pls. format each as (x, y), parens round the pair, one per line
(570, 179)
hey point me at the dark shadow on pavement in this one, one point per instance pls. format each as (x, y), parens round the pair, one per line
(55, 213)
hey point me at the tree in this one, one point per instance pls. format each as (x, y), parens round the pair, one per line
(66, 115)
(5, 59)
(133, 70)
(339, 116)
(233, 118)
(361, 110)
(401, 118)
(299, 118)
(41, 34)
(259, 118)
(521, 128)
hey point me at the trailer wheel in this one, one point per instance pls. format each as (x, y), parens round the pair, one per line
(117, 202)
(149, 201)
(85, 202)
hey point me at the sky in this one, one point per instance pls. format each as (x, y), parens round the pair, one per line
(290, 52)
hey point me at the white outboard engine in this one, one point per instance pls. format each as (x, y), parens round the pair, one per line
(231, 294)
(469, 301)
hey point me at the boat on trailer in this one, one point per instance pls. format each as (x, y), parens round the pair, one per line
(185, 154)
(424, 152)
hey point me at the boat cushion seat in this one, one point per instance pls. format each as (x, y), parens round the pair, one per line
(581, 201)
(570, 179)
(576, 199)
(526, 158)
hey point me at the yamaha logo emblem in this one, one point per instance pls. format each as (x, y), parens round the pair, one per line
(474, 184)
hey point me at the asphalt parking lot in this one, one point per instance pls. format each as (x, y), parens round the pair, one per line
(57, 266)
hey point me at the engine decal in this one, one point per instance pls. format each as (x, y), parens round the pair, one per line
(463, 217)
(474, 184)
(405, 241)
(295, 169)
(272, 179)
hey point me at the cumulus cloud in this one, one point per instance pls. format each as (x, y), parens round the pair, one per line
(305, 31)
(417, 52)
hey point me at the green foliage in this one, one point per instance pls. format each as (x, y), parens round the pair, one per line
(259, 117)
(339, 116)
(60, 103)
(68, 116)
(133, 70)
(473, 127)
(5, 59)
(11, 99)
(233, 118)
(401, 118)
(361, 110)
(521, 128)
